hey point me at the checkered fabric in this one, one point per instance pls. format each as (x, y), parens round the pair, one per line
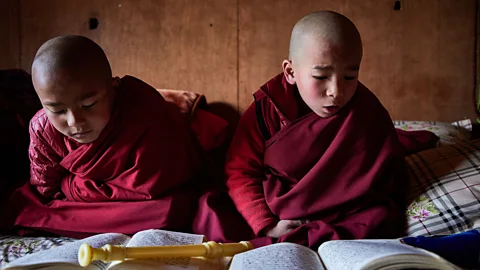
(444, 189)
(14, 247)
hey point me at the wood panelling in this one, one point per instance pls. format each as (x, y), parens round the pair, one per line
(477, 60)
(419, 61)
(9, 33)
(438, 48)
(174, 44)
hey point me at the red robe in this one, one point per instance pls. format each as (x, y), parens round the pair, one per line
(345, 173)
(135, 176)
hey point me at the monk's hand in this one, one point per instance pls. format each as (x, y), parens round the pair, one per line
(283, 227)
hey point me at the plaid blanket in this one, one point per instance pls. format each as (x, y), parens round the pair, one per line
(445, 189)
(14, 247)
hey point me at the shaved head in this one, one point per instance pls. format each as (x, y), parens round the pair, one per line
(323, 26)
(73, 79)
(324, 61)
(71, 54)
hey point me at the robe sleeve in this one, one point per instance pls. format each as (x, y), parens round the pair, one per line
(46, 173)
(245, 173)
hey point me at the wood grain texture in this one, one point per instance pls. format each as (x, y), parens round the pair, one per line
(418, 61)
(477, 61)
(437, 61)
(10, 34)
(188, 45)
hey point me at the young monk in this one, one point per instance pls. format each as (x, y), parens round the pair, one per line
(111, 155)
(316, 156)
(102, 139)
(107, 154)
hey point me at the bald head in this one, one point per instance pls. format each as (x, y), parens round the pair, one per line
(71, 55)
(73, 80)
(324, 27)
(324, 61)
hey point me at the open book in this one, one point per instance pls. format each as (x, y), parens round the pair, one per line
(66, 256)
(341, 254)
(338, 255)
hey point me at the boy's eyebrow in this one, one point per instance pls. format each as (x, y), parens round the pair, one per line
(323, 67)
(52, 104)
(56, 104)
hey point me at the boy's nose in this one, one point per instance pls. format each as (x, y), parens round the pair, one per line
(75, 118)
(333, 89)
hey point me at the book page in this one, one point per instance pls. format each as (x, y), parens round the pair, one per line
(354, 254)
(164, 238)
(161, 238)
(282, 256)
(68, 254)
(194, 263)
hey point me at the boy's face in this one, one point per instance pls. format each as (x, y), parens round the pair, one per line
(326, 75)
(77, 106)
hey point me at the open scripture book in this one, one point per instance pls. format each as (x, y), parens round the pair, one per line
(341, 254)
(338, 255)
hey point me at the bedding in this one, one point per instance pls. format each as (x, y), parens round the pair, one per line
(14, 247)
(444, 189)
(449, 133)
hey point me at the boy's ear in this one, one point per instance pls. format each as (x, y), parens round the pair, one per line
(288, 71)
(115, 82)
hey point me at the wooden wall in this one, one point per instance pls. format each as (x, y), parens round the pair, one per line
(420, 60)
(9, 34)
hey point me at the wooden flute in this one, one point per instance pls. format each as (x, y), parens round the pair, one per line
(108, 253)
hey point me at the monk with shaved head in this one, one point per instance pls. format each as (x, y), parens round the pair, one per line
(107, 154)
(73, 79)
(316, 156)
(86, 113)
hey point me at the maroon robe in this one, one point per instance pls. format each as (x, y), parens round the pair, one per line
(345, 174)
(141, 173)
(135, 176)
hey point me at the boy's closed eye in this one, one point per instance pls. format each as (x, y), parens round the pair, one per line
(89, 105)
(55, 109)
(322, 78)
(86, 106)
(58, 112)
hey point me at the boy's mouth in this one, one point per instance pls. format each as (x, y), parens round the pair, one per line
(330, 109)
(81, 135)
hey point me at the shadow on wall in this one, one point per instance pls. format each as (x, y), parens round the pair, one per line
(18, 104)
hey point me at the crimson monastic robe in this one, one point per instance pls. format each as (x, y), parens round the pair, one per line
(345, 174)
(143, 172)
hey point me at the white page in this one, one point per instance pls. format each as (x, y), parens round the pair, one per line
(164, 238)
(282, 256)
(354, 254)
(161, 238)
(68, 253)
(194, 263)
